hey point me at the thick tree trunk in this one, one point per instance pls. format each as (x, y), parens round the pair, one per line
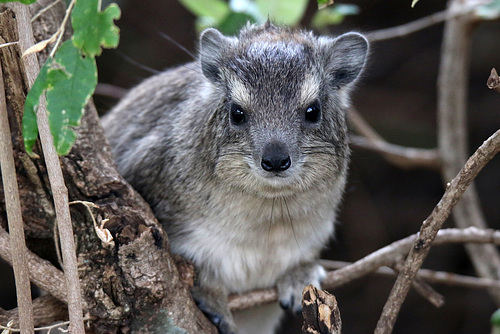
(133, 283)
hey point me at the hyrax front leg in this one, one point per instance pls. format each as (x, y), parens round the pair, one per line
(212, 301)
(291, 284)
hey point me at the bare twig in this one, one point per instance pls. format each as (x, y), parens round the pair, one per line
(453, 138)
(431, 276)
(41, 12)
(59, 190)
(403, 157)
(382, 257)
(494, 81)
(430, 229)
(46, 310)
(15, 218)
(42, 272)
(44, 328)
(423, 288)
(420, 24)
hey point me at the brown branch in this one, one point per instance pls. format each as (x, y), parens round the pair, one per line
(431, 276)
(453, 135)
(400, 156)
(423, 288)
(420, 24)
(494, 80)
(59, 190)
(382, 257)
(42, 272)
(403, 157)
(46, 310)
(14, 218)
(430, 229)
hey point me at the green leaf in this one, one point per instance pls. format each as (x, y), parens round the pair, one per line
(495, 319)
(94, 28)
(69, 80)
(333, 15)
(324, 3)
(30, 127)
(234, 22)
(287, 12)
(490, 11)
(214, 9)
(67, 100)
(27, 2)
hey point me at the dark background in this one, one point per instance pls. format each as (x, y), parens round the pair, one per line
(383, 203)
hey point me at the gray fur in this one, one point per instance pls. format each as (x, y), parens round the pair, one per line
(174, 140)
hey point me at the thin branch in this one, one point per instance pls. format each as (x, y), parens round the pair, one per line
(42, 272)
(431, 276)
(423, 23)
(382, 257)
(56, 37)
(44, 10)
(59, 190)
(400, 156)
(14, 218)
(403, 157)
(430, 229)
(423, 288)
(494, 81)
(453, 139)
(44, 328)
(46, 310)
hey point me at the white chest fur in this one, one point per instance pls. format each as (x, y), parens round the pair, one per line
(244, 242)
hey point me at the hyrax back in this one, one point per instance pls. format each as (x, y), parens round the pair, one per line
(243, 156)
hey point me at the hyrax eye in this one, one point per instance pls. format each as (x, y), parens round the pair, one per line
(238, 116)
(313, 113)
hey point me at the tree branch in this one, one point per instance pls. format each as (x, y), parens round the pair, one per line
(420, 24)
(14, 218)
(42, 273)
(59, 190)
(46, 310)
(431, 276)
(382, 257)
(453, 134)
(403, 157)
(430, 229)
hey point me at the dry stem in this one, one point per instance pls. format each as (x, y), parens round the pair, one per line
(453, 134)
(14, 218)
(42, 272)
(431, 276)
(59, 190)
(430, 229)
(382, 257)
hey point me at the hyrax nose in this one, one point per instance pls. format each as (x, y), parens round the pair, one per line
(275, 158)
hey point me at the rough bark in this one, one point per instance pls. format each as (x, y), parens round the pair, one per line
(131, 284)
(321, 312)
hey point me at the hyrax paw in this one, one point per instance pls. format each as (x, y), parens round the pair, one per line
(292, 283)
(213, 304)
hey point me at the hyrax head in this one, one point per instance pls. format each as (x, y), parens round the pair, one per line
(285, 94)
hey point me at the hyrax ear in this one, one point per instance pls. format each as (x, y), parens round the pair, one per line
(213, 46)
(345, 57)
